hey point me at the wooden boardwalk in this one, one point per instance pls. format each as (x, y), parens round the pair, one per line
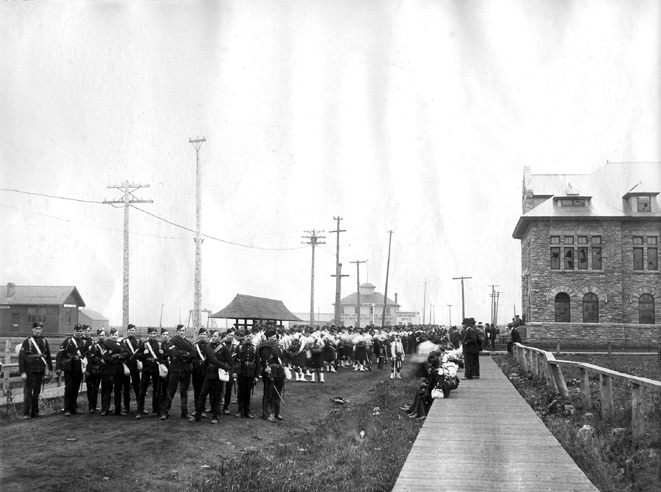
(486, 437)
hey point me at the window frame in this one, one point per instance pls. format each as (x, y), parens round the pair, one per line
(641, 206)
(646, 310)
(562, 308)
(590, 306)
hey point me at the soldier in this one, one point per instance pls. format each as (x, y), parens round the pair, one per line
(246, 375)
(199, 364)
(148, 353)
(180, 352)
(218, 356)
(164, 382)
(130, 345)
(233, 348)
(34, 362)
(113, 372)
(69, 359)
(93, 373)
(273, 376)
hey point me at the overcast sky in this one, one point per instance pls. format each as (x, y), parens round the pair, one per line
(415, 116)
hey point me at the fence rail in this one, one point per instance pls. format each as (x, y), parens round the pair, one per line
(544, 366)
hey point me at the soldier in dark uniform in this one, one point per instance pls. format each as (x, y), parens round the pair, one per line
(69, 359)
(246, 375)
(218, 356)
(472, 347)
(34, 362)
(180, 352)
(130, 346)
(234, 351)
(113, 372)
(273, 376)
(93, 373)
(199, 364)
(149, 352)
(164, 383)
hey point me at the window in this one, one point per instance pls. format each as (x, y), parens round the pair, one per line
(572, 202)
(569, 239)
(646, 309)
(36, 314)
(569, 258)
(596, 258)
(562, 308)
(638, 259)
(582, 258)
(590, 308)
(555, 258)
(14, 320)
(582, 240)
(555, 239)
(652, 259)
(652, 240)
(638, 240)
(644, 203)
(596, 240)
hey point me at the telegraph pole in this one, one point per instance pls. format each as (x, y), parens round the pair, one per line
(358, 262)
(463, 305)
(197, 298)
(126, 201)
(424, 304)
(313, 240)
(338, 272)
(337, 294)
(449, 314)
(385, 294)
(493, 302)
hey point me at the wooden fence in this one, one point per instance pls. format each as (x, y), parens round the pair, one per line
(544, 366)
(11, 379)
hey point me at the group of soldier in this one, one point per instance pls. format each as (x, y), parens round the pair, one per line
(216, 363)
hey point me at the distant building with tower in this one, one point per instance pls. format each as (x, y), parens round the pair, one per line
(589, 253)
(370, 308)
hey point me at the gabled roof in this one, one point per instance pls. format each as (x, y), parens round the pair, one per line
(93, 315)
(261, 308)
(376, 298)
(41, 295)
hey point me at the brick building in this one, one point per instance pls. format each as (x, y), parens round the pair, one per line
(589, 253)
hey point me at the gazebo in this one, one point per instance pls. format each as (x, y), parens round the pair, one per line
(247, 310)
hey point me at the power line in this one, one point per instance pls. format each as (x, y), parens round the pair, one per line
(51, 196)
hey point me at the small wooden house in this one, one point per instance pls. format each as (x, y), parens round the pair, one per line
(56, 307)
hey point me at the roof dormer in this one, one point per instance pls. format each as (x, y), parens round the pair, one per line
(571, 198)
(641, 199)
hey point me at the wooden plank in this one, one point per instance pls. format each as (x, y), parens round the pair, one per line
(486, 439)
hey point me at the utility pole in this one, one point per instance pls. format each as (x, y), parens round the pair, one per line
(424, 304)
(197, 298)
(493, 302)
(385, 294)
(126, 201)
(337, 295)
(358, 262)
(313, 240)
(450, 315)
(463, 304)
(338, 273)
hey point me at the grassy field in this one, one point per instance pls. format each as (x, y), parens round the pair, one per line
(604, 450)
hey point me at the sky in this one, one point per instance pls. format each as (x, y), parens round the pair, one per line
(416, 117)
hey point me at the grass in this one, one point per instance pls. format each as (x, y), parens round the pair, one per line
(605, 450)
(331, 456)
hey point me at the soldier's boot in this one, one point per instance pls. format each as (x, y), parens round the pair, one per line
(321, 377)
(312, 380)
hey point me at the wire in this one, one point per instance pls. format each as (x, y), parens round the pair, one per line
(51, 196)
(215, 238)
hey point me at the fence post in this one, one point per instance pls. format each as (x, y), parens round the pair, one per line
(585, 387)
(637, 416)
(5, 370)
(606, 396)
(557, 347)
(558, 378)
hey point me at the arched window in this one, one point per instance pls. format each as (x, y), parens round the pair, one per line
(590, 308)
(646, 309)
(562, 308)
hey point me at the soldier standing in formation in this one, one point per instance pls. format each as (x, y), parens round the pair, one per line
(34, 362)
(70, 359)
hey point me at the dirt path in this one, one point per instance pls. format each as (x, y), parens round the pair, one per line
(94, 453)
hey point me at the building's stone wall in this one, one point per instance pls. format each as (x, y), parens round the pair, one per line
(618, 333)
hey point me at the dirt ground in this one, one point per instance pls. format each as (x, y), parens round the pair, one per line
(94, 453)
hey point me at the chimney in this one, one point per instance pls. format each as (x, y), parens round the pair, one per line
(11, 289)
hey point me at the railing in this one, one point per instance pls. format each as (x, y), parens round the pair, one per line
(543, 365)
